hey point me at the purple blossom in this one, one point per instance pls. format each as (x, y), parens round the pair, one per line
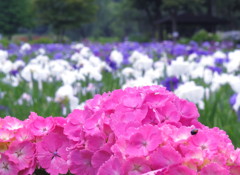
(14, 72)
(232, 99)
(215, 69)
(171, 83)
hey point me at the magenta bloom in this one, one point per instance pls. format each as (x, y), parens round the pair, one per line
(6, 135)
(112, 166)
(179, 170)
(80, 162)
(12, 123)
(7, 167)
(214, 168)
(40, 126)
(74, 126)
(52, 152)
(22, 154)
(136, 166)
(164, 156)
(144, 130)
(141, 142)
(23, 134)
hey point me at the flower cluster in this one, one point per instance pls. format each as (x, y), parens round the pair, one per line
(144, 130)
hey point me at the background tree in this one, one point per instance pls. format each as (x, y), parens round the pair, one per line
(115, 19)
(65, 14)
(174, 7)
(229, 9)
(14, 14)
(151, 9)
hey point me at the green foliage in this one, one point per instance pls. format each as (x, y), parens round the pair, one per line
(65, 14)
(13, 15)
(218, 113)
(42, 40)
(4, 42)
(184, 40)
(139, 38)
(104, 40)
(203, 35)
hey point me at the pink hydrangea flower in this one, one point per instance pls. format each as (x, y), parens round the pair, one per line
(7, 167)
(80, 162)
(52, 152)
(135, 166)
(178, 170)
(6, 135)
(40, 126)
(21, 153)
(99, 158)
(165, 156)
(74, 125)
(12, 123)
(145, 130)
(214, 168)
(23, 134)
(144, 140)
(112, 166)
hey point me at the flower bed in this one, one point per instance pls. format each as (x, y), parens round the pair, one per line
(145, 130)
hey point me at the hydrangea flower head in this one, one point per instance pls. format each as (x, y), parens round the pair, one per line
(141, 130)
(52, 152)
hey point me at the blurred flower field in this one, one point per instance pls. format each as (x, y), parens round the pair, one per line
(54, 79)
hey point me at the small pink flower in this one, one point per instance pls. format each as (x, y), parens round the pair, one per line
(80, 162)
(206, 140)
(164, 156)
(95, 142)
(99, 158)
(40, 126)
(52, 152)
(7, 167)
(21, 153)
(235, 170)
(188, 111)
(214, 168)
(178, 170)
(6, 135)
(12, 123)
(142, 141)
(112, 166)
(136, 166)
(93, 124)
(133, 100)
(156, 100)
(169, 112)
(23, 134)
(74, 126)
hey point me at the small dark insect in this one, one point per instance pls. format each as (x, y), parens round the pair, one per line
(194, 131)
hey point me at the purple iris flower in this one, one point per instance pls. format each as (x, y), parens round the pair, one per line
(58, 56)
(3, 108)
(112, 64)
(232, 101)
(193, 43)
(179, 49)
(171, 83)
(219, 60)
(54, 47)
(76, 67)
(14, 72)
(215, 69)
(206, 44)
